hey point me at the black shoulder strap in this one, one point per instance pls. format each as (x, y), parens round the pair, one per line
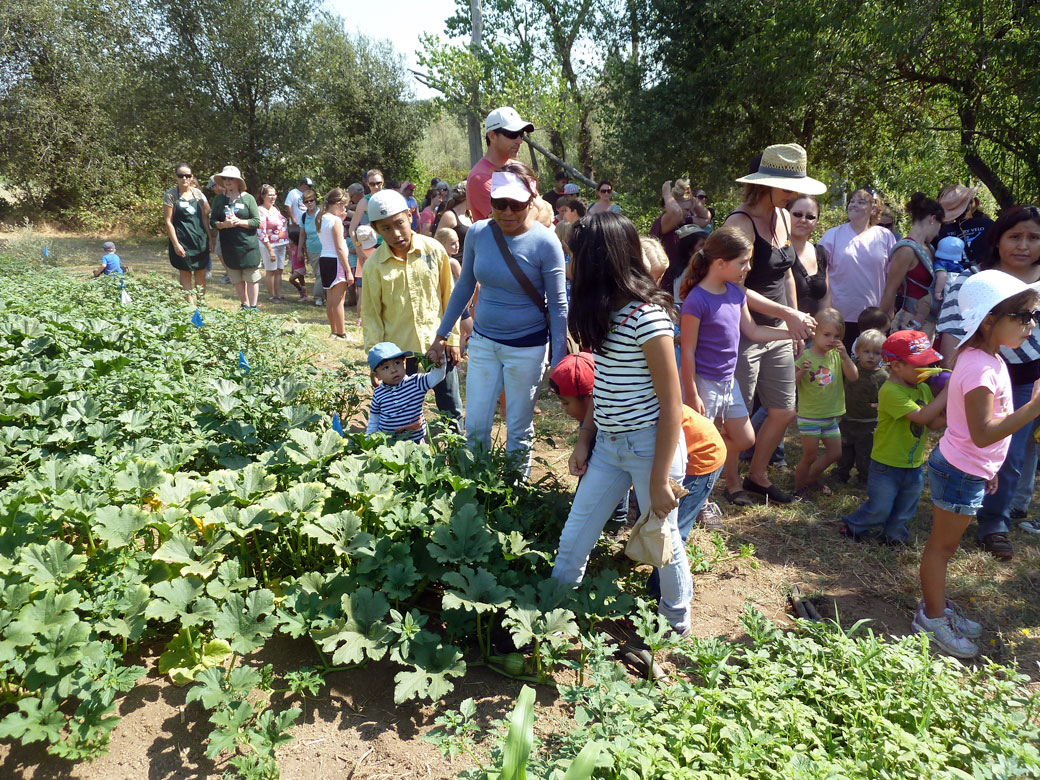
(520, 276)
(750, 219)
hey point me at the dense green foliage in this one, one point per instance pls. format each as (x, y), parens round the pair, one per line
(902, 96)
(819, 702)
(155, 495)
(98, 101)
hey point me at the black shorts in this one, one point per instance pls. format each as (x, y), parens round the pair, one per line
(330, 271)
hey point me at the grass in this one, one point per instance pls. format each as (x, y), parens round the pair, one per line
(793, 543)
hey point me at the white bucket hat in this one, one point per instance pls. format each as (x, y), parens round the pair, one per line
(784, 166)
(366, 236)
(230, 172)
(509, 185)
(981, 293)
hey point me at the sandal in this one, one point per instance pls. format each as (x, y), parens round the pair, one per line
(772, 492)
(738, 498)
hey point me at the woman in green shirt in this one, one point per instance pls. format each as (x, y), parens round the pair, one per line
(236, 216)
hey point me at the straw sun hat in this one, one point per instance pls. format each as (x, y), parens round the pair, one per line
(783, 166)
(230, 172)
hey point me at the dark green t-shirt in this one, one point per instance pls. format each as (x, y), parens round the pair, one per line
(861, 396)
(239, 247)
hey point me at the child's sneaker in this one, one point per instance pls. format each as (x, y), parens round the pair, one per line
(1030, 527)
(963, 625)
(710, 517)
(942, 632)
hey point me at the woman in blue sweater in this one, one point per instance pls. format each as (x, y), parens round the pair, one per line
(514, 324)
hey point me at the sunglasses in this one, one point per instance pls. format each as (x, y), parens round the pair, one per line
(510, 134)
(185, 175)
(606, 190)
(701, 197)
(375, 184)
(1026, 318)
(507, 204)
(312, 200)
(804, 215)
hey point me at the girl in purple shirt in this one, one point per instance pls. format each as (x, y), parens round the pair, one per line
(714, 314)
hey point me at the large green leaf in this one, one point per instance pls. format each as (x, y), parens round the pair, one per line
(51, 564)
(342, 531)
(307, 448)
(466, 538)
(246, 621)
(474, 591)
(361, 632)
(195, 560)
(118, 525)
(433, 663)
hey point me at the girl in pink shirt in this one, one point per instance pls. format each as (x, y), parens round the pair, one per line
(998, 311)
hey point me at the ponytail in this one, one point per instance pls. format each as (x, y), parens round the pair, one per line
(726, 243)
(695, 272)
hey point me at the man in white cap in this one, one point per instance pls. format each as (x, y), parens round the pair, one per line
(407, 285)
(504, 131)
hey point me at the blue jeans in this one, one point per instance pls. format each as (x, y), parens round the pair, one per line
(1026, 480)
(492, 368)
(995, 514)
(892, 496)
(690, 505)
(621, 460)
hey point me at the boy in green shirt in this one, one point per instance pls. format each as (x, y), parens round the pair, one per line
(821, 400)
(906, 410)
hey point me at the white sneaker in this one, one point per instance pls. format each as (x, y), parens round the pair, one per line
(319, 302)
(1030, 527)
(965, 627)
(942, 632)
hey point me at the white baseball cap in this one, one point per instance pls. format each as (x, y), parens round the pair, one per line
(506, 118)
(981, 293)
(509, 185)
(386, 203)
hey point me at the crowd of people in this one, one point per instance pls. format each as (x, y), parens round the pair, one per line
(682, 353)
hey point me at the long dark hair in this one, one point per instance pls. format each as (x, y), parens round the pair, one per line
(726, 243)
(1007, 220)
(608, 271)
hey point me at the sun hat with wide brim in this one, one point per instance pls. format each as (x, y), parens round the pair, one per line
(955, 201)
(230, 172)
(784, 166)
(981, 292)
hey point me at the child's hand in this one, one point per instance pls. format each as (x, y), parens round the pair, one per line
(991, 485)
(697, 405)
(662, 499)
(807, 365)
(578, 462)
(840, 346)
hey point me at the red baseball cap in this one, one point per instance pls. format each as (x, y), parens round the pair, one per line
(910, 346)
(574, 375)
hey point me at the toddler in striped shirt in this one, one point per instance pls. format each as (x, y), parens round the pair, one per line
(397, 400)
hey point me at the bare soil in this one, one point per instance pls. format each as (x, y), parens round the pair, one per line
(354, 730)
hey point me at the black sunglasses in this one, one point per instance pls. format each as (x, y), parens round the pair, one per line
(510, 134)
(1025, 317)
(606, 189)
(803, 215)
(503, 204)
(185, 175)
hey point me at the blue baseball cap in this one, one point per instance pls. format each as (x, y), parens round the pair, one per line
(385, 350)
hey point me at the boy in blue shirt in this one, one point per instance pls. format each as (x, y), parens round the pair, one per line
(110, 262)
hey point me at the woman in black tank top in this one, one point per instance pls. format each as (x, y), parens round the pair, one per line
(774, 181)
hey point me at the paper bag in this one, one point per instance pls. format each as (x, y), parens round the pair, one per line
(651, 538)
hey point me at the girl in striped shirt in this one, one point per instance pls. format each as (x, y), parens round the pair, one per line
(626, 320)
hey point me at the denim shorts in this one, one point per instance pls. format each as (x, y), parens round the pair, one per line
(952, 489)
(721, 399)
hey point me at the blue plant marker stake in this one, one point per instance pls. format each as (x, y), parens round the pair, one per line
(337, 426)
(243, 364)
(196, 319)
(46, 252)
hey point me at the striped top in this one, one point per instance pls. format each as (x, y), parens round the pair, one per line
(950, 321)
(399, 408)
(623, 394)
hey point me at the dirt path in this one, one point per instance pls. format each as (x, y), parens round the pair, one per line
(355, 731)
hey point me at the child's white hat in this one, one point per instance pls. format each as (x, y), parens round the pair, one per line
(367, 237)
(981, 293)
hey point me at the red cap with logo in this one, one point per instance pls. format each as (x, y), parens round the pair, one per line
(574, 375)
(910, 346)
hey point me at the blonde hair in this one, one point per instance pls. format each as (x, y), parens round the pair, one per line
(870, 338)
(654, 257)
(833, 316)
(444, 235)
(679, 186)
(563, 232)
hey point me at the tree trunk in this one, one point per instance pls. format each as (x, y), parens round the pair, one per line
(979, 167)
(556, 142)
(474, 129)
